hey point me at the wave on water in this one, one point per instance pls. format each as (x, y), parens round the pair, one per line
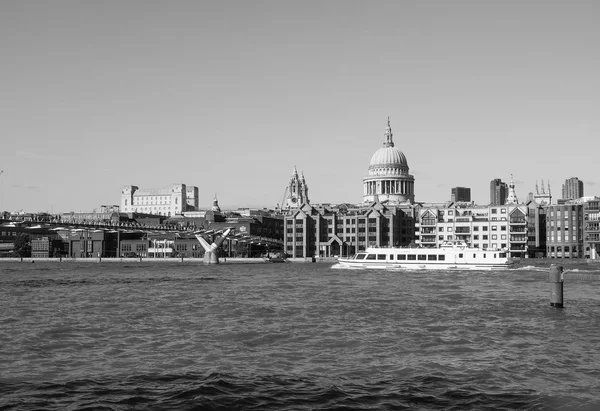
(68, 282)
(530, 268)
(218, 391)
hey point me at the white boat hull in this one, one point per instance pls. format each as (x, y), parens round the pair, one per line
(343, 263)
(451, 255)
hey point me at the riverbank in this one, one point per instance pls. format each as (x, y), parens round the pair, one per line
(222, 260)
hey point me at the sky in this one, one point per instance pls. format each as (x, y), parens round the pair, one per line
(229, 96)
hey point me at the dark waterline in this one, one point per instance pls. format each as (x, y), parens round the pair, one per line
(293, 336)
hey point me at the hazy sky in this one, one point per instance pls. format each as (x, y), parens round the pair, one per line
(230, 95)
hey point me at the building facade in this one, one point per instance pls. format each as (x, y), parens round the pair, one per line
(329, 231)
(498, 192)
(162, 201)
(460, 194)
(591, 228)
(572, 189)
(388, 176)
(485, 227)
(564, 230)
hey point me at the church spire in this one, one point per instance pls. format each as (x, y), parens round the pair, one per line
(215, 206)
(512, 196)
(389, 142)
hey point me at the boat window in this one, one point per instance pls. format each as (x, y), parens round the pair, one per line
(441, 257)
(371, 256)
(412, 257)
(401, 257)
(460, 255)
(484, 255)
(381, 256)
(502, 255)
(422, 257)
(494, 255)
(432, 257)
(474, 255)
(360, 256)
(391, 256)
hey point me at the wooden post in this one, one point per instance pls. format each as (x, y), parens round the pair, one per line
(556, 286)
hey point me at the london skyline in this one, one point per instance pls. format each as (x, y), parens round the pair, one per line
(231, 96)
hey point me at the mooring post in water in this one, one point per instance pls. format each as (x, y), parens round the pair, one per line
(556, 286)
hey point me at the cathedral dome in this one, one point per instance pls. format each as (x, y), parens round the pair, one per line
(388, 156)
(388, 178)
(388, 159)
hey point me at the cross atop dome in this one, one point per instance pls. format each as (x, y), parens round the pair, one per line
(388, 135)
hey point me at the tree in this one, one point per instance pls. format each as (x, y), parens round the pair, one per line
(22, 246)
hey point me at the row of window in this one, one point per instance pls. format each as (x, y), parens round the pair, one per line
(475, 237)
(416, 257)
(330, 222)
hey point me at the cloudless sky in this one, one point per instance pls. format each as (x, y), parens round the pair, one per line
(231, 95)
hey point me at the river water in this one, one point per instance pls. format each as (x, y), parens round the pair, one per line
(111, 336)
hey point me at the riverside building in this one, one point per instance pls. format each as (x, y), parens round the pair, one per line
(161, 201)
(573, 229)
(384, 218)
(494, 226)
(485, 227)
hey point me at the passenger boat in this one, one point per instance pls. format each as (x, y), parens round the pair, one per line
(455, 255)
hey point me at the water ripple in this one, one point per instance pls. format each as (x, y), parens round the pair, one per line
(297, 337)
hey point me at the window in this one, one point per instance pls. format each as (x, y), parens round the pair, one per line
(502, 228)
(475, 237)
(494, 237)
(494, 211)
(441, 257)
(422, 257)
(401, 257)
(450, 212)
(503, 237)
(432, 257)
(412, 257)
(460, 255)
(391, 257)
(494, 228)
(485, 228)
(476, 228)
(449, 229)
(371, 256)
(360, 256)
(381, 256)
(485, 237)
(503, 210)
